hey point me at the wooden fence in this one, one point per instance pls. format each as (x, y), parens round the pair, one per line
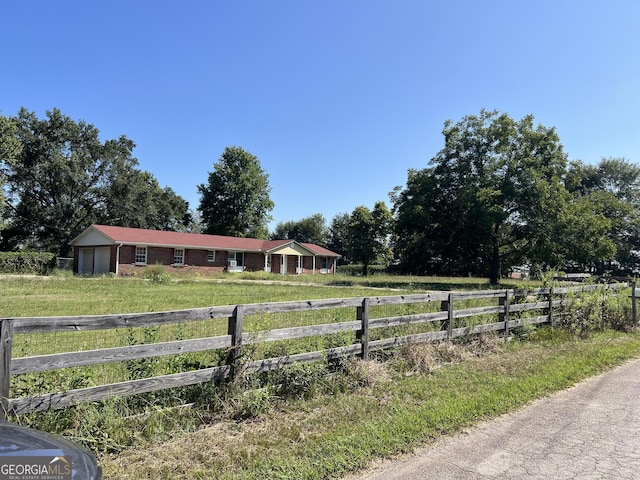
(508, 309)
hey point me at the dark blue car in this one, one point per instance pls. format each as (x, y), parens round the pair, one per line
(30, 454)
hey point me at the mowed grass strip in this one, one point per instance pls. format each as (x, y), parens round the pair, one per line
(66, 295)
(330, 436)
(53, 296)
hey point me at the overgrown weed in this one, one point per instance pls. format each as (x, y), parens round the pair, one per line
(596, 311)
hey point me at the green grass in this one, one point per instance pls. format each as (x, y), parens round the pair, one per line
(324, 424)
(331, 435)
(49, 296)
(64, 295)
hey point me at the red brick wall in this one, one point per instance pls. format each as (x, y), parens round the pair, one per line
(196, 261)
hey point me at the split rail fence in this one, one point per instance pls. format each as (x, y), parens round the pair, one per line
(499, 310)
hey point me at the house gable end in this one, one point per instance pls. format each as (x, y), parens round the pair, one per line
(291, 248)
(91, 237)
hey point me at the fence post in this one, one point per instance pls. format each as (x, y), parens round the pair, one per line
(450, 316)
(550, 307)
(504, 316)
(634, 304)
(235, 330)
(6, 342)
(363, 334)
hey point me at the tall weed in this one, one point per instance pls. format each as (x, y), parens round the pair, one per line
(596, 311)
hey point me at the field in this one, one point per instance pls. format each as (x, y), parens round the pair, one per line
(65, 295)
(309, 421)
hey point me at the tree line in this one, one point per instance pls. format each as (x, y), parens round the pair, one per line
(501, 194)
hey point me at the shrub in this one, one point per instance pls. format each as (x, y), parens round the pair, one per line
(26, 262)
(355, 270)
(299, 380)
(156, 274)
(597, 311)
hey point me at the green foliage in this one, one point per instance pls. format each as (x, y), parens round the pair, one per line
(10, 149)
(596, 311)
(339, 236)
(249, 403)
(156, 274)
(611, 189)
(424, 390)
(26, 262)
(343, 430)
(141, 367)
(236, 200)
(312, 229)
(491, 199)
(368, 236)
(299, 380)
(355, 269)
(63, 178)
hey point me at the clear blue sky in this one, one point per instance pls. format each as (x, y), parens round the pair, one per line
(338, 99)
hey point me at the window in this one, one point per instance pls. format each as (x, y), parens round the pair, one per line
(178, 256)
(235, 259)
(141, 255)
(211, 256)
(325, 262)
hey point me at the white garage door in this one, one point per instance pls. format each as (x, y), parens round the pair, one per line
(101, 262)
(85, 261)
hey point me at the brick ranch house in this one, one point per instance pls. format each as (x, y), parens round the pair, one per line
(102, 249)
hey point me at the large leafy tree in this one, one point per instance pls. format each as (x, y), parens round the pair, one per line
(490, 199)
(586, 228)
(416, 216)
(612, 188)
(236, 201)
(368, 236)
(311, 229)
(10, 149)
(162, 208)
(65, 178)
(339, 236)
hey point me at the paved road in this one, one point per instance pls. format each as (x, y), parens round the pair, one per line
(591, 431)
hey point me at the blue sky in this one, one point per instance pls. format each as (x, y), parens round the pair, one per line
(338, 99)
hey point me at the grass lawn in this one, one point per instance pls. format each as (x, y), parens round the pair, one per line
(55, 295)
(332, 435)
(66, 295)
(338, 423)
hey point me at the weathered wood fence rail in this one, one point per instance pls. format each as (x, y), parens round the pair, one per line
(510, 303)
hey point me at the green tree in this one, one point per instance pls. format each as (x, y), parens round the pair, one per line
(64, 179)
(339, 236)
(236, 200)
(162, 208)
(416, 214)
(312, 229)
(10, 149)
(368, 240)
(488, 201)
(585, 229)
(613, 189)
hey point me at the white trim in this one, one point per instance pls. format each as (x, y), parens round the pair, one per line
(117, 259)
(178, 260)
(146, 255)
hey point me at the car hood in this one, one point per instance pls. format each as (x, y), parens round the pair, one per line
(17, 441)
